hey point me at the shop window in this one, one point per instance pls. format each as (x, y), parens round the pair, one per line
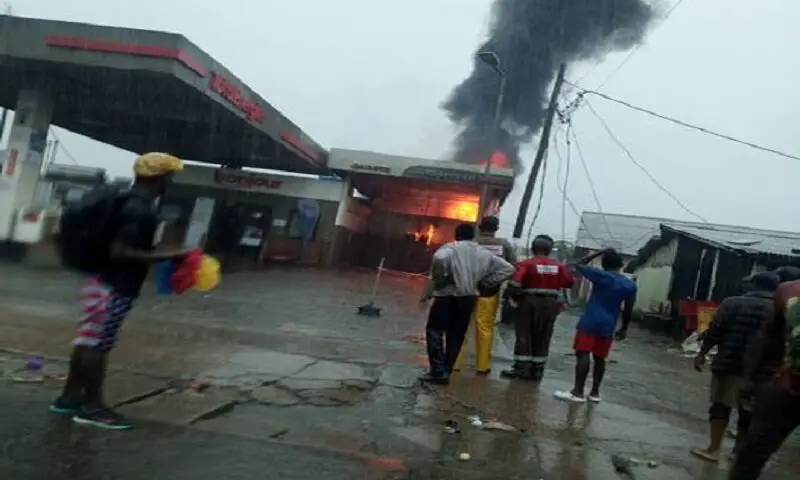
(293, 226)
(170, 213)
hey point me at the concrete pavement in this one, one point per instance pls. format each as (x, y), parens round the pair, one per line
(288, 361)
(39, 446)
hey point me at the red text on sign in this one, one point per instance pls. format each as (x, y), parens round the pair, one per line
(233, 95)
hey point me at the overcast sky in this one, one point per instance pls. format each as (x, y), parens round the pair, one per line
(370, 74)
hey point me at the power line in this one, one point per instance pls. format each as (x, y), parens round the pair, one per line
(566, 183)
(638, 46)
(639, 165)
(569, 201)
(541, 198)
(650, 233)
(685, 124)
(591, 182)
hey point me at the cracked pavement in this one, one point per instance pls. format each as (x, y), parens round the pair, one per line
(288, 369)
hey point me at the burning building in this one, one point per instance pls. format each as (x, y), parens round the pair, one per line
(402, 208)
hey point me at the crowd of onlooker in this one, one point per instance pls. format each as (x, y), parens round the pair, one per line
(755, 371)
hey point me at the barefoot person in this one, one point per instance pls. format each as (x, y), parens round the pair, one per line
(459, 271)
(736, 323)
(612, 293)
(537, 287)
(488, 300)
(776, 411)
(107, 299)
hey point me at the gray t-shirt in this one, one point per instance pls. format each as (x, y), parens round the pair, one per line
(458, 268)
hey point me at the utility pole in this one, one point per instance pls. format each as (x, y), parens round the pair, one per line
(544, 141)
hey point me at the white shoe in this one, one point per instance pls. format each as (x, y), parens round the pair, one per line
(594, 399)
(568, 397)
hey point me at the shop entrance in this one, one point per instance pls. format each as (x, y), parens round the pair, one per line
(238, 232)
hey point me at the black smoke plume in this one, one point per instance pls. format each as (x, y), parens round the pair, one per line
(532, 38)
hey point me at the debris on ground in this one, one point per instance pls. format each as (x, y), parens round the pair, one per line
(415, 338)
(691, 346)
(451, 426)
(35, 364)
(197, 386)
(623, 465)
(494, 425)
(464, 456)
(477, 422)
(26, 376)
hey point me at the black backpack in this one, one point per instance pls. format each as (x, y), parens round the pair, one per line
(87, 228)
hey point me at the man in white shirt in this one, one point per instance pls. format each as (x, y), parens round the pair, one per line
(459, 271)
(489, 300)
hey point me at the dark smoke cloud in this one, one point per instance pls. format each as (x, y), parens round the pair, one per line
(532, 38)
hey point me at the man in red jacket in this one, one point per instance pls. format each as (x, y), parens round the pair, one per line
(537, 287)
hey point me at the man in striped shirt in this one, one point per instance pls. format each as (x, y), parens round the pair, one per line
(460, 270)
(107, 299)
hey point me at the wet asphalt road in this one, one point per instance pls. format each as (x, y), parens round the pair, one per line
(36, 445)
(654, 404)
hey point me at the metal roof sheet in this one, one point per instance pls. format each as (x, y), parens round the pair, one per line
(629, 233)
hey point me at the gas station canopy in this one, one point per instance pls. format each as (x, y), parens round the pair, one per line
(372, 170)
(143, 90)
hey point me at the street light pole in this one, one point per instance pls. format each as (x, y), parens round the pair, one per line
(495, 136)
(492, 60)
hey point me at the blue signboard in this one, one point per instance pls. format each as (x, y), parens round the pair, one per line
(308, 210)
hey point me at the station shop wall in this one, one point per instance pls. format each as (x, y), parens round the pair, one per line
(279, 242)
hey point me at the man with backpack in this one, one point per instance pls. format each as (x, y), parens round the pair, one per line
(109, 236)
(776, 413)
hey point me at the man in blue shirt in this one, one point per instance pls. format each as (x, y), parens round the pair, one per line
(612, 293)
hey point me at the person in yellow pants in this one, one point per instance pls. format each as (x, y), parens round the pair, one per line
(483, 316)
(483, 324)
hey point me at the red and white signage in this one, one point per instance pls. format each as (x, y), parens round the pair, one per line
(233, 95)
(10, 165)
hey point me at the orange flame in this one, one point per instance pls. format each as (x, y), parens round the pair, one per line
(498, 160)
(427, 235)
(464, 210)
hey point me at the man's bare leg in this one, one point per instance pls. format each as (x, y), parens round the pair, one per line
(582, 366)
(598, 373)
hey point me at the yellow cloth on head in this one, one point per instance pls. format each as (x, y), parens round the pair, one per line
(155, 164)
